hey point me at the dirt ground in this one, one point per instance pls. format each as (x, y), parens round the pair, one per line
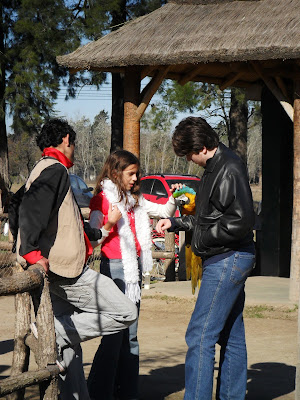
(271, 338)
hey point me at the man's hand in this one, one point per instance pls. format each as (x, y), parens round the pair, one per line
(162, 225)
(44, 262)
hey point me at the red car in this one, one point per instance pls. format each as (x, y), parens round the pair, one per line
(156, 188)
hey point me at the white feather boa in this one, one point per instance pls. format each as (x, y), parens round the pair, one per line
(127, 242)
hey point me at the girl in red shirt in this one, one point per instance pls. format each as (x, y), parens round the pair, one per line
(126, 253)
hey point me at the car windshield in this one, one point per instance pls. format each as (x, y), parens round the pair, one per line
(187, 182)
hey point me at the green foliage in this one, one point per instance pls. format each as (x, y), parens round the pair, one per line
(185, 98)
(213, 104)
(35, 33)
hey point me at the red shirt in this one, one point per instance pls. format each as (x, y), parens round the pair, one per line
(110, 247)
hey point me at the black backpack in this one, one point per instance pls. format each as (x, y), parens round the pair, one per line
(13, 214)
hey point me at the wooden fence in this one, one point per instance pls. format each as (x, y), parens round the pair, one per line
(27, 286)
(31, 289)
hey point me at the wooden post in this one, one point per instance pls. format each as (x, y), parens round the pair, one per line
(21, 351)
(170, 262)
(295, 250)
(46, 343)
(131, 103)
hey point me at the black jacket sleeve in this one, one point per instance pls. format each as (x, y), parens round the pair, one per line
(233, 199)
(40, 202)
(93, 234)
(184, 223)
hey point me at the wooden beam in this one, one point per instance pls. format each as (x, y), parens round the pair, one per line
(119, 70)
(131, 133)
(30, 279)
(208, 79)
(190, 75)
(282, 86)
(233, 78)
(11, 384)
(295, 247)
(146, 71)
(275, 90)
(150, 90)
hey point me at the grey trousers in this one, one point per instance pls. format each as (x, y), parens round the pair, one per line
(85, 307)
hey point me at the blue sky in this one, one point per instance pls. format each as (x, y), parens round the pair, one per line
(89, 102)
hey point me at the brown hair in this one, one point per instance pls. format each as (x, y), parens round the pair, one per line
(191, 135)
(113, 169)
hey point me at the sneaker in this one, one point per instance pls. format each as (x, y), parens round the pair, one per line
(62, 367)
(59, 362)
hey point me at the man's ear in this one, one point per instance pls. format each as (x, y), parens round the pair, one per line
(204, 150)
(66, 140)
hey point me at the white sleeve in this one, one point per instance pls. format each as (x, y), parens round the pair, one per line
(96, 221)
(160, 210)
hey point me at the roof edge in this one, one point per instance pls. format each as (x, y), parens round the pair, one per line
(205, 2)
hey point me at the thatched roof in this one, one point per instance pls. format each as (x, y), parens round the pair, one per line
(188, 32)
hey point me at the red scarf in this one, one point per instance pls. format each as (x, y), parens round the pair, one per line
(55, 153)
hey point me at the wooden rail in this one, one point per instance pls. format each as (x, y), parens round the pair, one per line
(43, 347)
(168, 254)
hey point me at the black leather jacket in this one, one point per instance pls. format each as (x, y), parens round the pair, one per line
(224, 215)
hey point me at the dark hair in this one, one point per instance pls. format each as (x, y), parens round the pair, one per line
(113, 169)
(192, 134)
(53, 132)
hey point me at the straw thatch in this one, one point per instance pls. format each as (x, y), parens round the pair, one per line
(198, 31)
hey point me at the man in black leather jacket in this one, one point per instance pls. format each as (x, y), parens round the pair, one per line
(222, 235)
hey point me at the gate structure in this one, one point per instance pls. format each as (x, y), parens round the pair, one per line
(31, 289)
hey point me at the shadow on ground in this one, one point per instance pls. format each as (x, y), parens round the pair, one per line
(267, 381)
(6, 346)
(162, 382)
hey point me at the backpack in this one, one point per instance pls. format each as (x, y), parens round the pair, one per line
(13, 211)
(13, 214)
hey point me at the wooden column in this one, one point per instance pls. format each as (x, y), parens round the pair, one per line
(295, 251)
(295, 259)
(131, 103)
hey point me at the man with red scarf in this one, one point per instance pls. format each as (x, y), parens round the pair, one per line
(85, 303)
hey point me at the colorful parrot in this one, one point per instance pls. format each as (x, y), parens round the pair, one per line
(186, 197)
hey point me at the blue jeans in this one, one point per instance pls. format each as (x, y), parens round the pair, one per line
(218, 318)
(115, 368)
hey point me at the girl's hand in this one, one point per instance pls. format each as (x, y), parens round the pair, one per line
(162, 225)
(114, 215)
(176, 186)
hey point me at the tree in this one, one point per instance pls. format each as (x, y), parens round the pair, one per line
(254, 161)
(238, 116)
(227, 110)
(157, 155)
(23, 153)
(92, 145)
(32, 33)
